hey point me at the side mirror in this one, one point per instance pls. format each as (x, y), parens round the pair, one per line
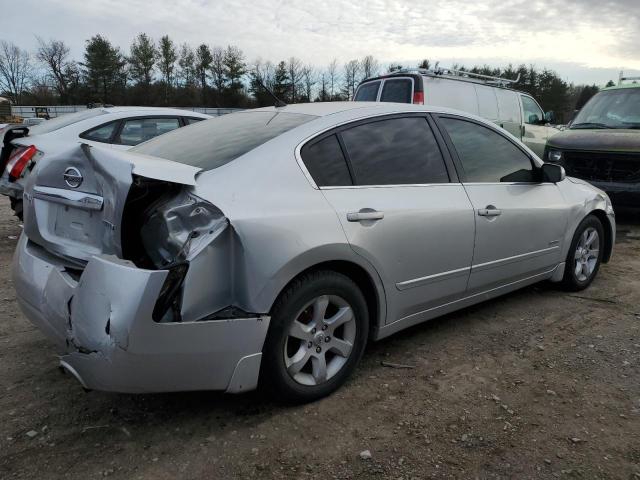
(550, 117)
(552, 172)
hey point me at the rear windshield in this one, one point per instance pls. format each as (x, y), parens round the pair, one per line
(212, 143)
(368, 92)
(64, 121)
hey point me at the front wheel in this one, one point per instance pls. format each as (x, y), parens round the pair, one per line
(585, 255)
(319, 328)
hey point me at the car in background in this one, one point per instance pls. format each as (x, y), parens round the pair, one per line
(602, 144)
(111, 127)
(489, 97)
(273, 244)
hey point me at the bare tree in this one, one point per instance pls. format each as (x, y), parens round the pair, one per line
(308, 81)
(294, 71)
(54, 54)
(369, 66)
(218, 69)
(15, 67)
(351, 72)
(332, 77)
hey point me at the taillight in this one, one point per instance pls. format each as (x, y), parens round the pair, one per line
(19, 159)
(418, 98)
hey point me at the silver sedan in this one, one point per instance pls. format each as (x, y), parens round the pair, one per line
(271, 245)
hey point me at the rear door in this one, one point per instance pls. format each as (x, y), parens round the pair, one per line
(400, 205)
(520, 221)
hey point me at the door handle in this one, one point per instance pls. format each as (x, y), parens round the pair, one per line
(490, 211)
(364, 215)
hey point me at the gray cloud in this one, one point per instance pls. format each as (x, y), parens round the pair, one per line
(572, 35)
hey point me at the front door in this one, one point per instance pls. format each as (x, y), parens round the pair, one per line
(399, 209)
(520, 221)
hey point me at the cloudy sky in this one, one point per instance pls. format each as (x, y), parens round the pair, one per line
(585, 41)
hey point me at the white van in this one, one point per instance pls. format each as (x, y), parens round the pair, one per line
(488, 97)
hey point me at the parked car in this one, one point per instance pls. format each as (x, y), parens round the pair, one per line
(489, 97)
(602, 144)
(272, 244)
(115, 127)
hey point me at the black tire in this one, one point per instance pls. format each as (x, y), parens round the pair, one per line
(16, 206)
(290, 306)
(572, 281)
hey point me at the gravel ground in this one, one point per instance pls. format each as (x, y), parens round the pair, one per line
(537, 384)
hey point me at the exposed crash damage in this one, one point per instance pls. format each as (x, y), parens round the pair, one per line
(140, 317)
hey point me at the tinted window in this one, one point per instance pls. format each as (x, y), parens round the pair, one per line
(217, 141)
(190, 120)
(367, 92)
(487, 156)
(397, 91)
(103, 133)
(326, 163)
(532, 112)
(138, 130)
(395, 151)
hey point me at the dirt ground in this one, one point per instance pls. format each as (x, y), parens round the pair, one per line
(537, 384)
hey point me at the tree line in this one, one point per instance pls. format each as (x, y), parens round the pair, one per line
(161, 72)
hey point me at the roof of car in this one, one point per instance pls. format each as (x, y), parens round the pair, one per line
(322, 109)
(624, 85)
(158, 110)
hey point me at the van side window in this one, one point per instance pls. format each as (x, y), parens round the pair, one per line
(326, 163)
(367, 92)
(396, 151)
(532, 112)
(399, 91)
(487, 156)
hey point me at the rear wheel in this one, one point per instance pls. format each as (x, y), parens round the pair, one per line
(318, 332)
(585, 254)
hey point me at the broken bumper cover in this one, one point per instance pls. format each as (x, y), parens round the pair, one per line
(10, 189)
(102, 321)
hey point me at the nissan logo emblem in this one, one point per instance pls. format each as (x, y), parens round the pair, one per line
(72, 177)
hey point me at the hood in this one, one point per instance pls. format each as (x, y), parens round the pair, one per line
(609, 140)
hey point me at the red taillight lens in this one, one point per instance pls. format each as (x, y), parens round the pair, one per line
(19, 159)
(418, 98)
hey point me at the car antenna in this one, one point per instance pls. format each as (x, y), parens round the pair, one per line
(278, 103)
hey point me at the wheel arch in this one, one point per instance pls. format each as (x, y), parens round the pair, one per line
(608, 233)
(365, 278)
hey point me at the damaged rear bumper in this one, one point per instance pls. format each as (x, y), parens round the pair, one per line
(102, 321)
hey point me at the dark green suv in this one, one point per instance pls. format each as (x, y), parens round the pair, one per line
(602, 144)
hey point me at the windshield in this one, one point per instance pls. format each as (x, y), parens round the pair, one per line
(212, 143)
(63, 121)
(611, 109)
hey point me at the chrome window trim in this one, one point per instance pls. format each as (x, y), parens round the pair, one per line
(395, 185)
(437, 277)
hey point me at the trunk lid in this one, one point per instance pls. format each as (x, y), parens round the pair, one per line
(75, 200)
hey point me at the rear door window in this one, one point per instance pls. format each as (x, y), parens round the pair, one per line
(367, 92)
(396, 151)
(326, 163)
(103, 133)
(138, 130)
(487, 156)
(397, 90)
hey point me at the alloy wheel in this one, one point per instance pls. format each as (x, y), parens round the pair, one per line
(320, 340)
(587, 254)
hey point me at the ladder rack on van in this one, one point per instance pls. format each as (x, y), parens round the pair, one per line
(461, 75)
(621, 78)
